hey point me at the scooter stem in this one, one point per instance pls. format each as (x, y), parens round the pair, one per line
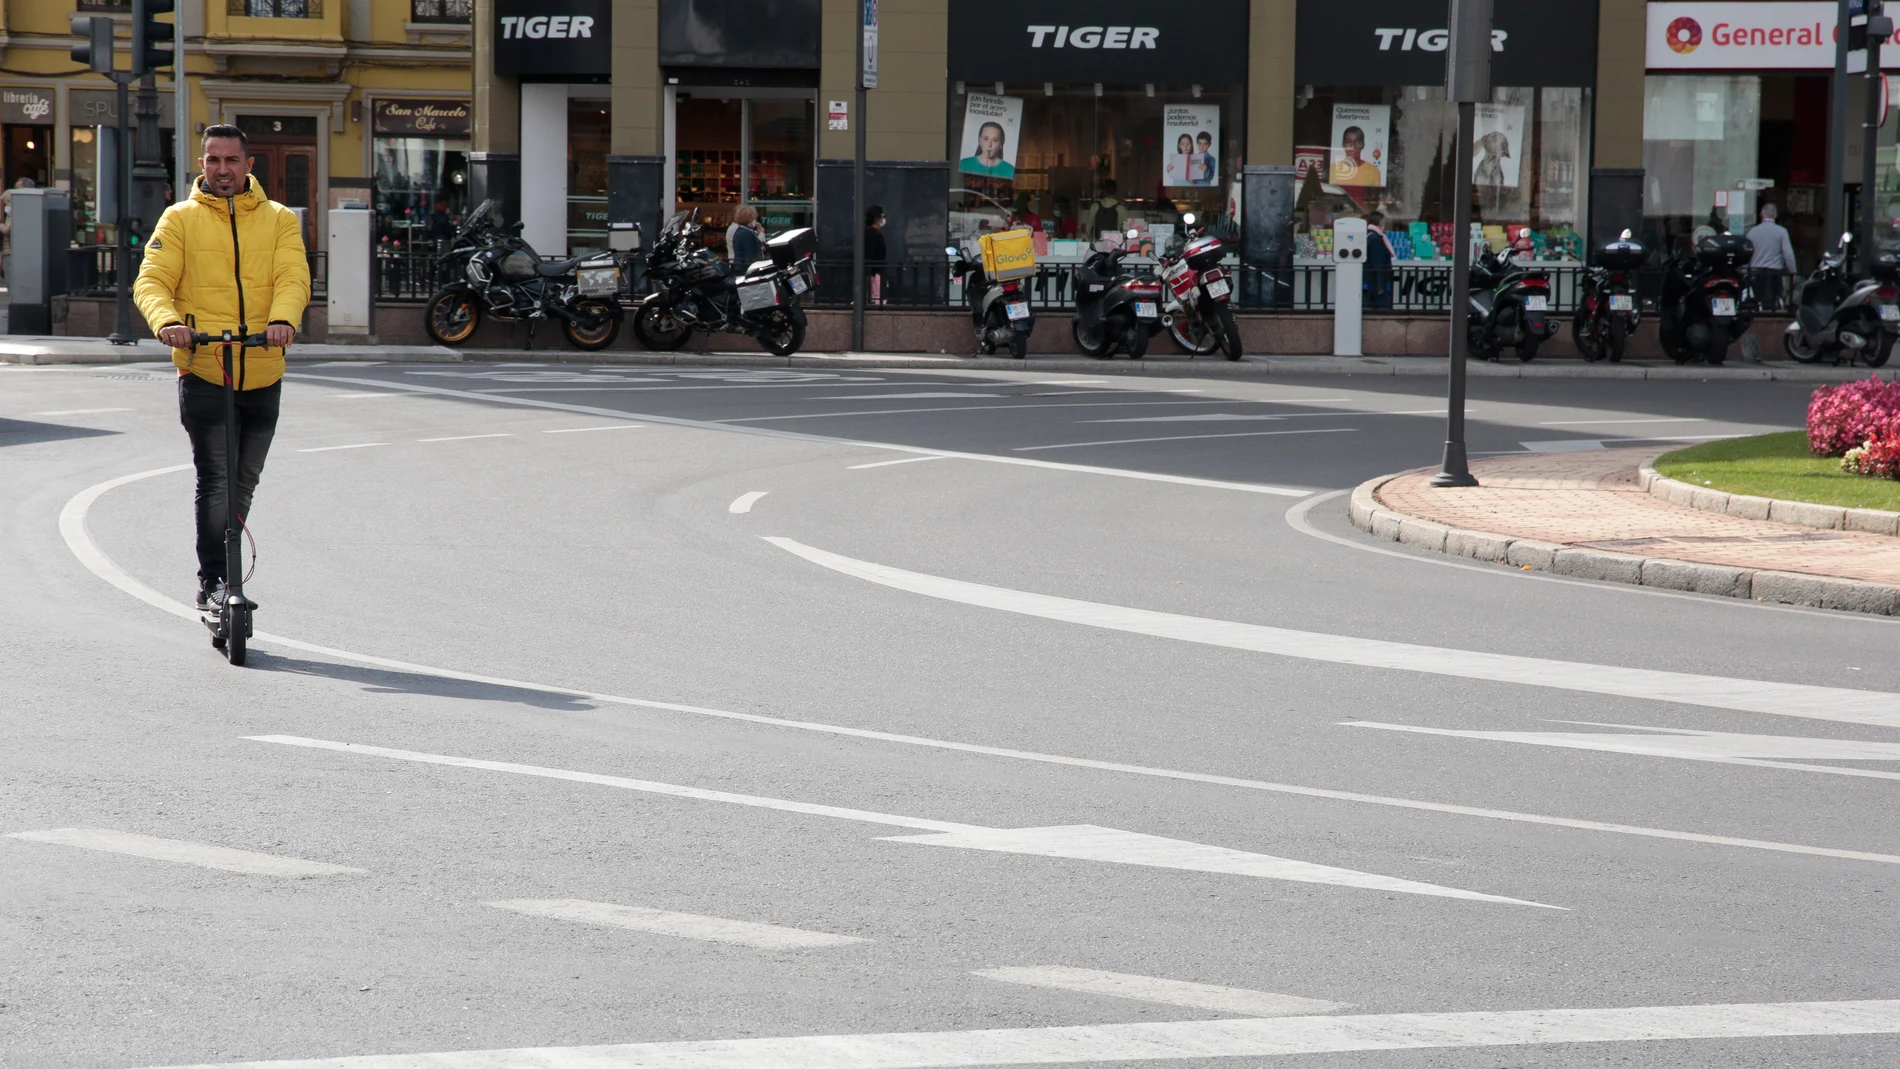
(233, 541)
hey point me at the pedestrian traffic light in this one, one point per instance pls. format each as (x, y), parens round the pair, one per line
(151, 39)
(96, 53)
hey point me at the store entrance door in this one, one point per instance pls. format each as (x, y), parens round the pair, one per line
(285, 155)
(733, 146)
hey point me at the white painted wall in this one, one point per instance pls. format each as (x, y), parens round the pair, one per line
(544, 167)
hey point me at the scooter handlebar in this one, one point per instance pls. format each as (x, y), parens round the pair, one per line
(254, 341)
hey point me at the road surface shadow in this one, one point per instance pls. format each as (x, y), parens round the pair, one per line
(389, 681)
(22, 432)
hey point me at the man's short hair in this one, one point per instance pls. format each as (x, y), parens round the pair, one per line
(1768, 211)
(227, 130)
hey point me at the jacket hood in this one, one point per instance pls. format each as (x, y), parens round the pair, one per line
(252, 197)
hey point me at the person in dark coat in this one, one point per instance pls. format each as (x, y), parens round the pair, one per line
(875, 254)
(1379, 259)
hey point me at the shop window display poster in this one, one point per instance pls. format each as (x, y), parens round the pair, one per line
(991, 125)
(1361, 144)
(1497, 145)
(1191, 134)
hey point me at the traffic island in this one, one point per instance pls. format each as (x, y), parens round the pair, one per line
(1607, 515)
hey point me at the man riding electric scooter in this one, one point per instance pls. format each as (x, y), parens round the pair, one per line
(226, 258)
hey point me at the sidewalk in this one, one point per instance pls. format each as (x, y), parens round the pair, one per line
(1589, 515)
(24, 349)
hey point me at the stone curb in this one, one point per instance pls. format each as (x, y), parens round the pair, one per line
(1785, 588)
(1747, 507)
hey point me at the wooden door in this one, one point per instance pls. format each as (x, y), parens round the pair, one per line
(287, 173)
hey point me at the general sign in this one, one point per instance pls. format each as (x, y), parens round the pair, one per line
(1756, 36)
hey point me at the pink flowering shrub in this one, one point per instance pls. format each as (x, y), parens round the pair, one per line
(1844, 417)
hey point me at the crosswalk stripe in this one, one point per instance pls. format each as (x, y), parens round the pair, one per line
(182, 852)
(1238, 1000)
(683, 925)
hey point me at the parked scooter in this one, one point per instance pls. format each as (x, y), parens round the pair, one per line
(1607, 314)
(1706, 304)
(1196, 295)
(1510, 305)
(999, 311)
(1840, 317)
(1114, 308)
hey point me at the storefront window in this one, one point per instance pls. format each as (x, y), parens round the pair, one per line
(588, 138)
(1078, 161)
(419, 183)
(1390, 149)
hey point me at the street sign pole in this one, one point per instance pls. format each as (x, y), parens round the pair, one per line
(866, 79)
(1837, 129)
(123, 332)
(1879, 28)
(1467, 81)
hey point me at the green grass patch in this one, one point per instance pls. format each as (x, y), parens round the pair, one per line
(1778, 465)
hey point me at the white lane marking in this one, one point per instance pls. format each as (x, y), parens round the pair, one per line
(1760, 751)
(744, 502)
(682, 925)
(1186, 438)
(901, 396)
(584, 430)
(365, 395)
(1059, 382)
(1717, 692)
(1082, 842)
(348, 363)
(334, 448)
(1595, 422)
(1012, 407)
(464, 437)
(888, 463)
(78, 411)
(767, 432)
(1568, 445)
(1237, 1000)
(1195, 1041)
(182, 852)
(72, 527)
(1212, 417)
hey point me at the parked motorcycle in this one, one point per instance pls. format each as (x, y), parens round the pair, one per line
(1840, 317)
(694, 290)
(1196, 295)
(1607, 314)
(1114, 308)
(999, 311)
(1510, 305)
(501, 275)
(1705, 304)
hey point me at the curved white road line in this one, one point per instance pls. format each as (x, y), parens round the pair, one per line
(744, 502)
(72, 525)
(1718, 692)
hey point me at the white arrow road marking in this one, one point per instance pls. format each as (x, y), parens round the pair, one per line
(1168, 1041)
(72, 527)
(1235, 1000)
(1719, 747)
(1082, 842)
(744, 502)
(182, 852)
(682, 925)
(1747, 695)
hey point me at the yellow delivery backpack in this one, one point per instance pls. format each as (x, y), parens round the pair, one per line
(1008, 254)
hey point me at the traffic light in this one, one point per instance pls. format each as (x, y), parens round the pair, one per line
(151, 39)
(96, 53)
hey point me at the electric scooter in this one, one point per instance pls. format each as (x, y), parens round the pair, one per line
(231, 627)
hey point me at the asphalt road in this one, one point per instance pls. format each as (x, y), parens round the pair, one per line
(635, 717)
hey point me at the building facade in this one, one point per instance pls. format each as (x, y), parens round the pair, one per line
(365, 100)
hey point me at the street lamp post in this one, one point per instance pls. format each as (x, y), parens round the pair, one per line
(1467, 81)
(1879, 28)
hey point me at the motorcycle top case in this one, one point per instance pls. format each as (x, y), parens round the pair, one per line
(1622, 255)
(1008, 254)
(1203, 253)
(1731, 251)
(792, 246)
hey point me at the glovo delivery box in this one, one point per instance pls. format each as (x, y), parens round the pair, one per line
(1008, 254)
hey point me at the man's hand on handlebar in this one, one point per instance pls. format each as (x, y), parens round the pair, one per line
(179, 336)
(279, 334)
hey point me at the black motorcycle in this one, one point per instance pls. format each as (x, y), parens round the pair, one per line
(1607, 314)
(1840, 317)
(497, 273)
(1510, 305)
(695, 290)
(1114, 308)
(1705, 304)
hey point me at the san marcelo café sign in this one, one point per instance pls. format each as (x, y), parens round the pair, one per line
(421, 118)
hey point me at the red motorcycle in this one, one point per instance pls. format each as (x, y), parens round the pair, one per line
(1196, 295)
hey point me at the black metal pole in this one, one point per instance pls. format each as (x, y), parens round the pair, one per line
(1837, 132)
(857, 200)
(1456, 469)
(1870, 134)
(122, 330)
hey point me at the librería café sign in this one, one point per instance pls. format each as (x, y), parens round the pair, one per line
(26, 105)
(422, 118)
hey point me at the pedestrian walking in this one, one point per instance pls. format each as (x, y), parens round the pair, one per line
(1774, 257)
(875, 253)
(745, 241)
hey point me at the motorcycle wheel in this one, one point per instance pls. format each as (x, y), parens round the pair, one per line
(1092, 342)
(1018, 345)
(1799, 349)
(782, 335)
(452, 317)
(600, 327)
(659, 330)
(1882, 350)
(1527, 349)
(1135, 338)
(1229, 334)
(1619, 336)
(1718, 352)
(1583, 329)
(1191, 335)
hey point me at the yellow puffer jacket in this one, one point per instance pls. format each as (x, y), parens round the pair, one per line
(190, 274)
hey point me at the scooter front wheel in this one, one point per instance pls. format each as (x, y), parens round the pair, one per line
(1092, 342)
(235, 627)
(1798, 347)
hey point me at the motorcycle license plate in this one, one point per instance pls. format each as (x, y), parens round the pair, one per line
(798, 284)
(1537, 304)
(1622, 302)
(1146, 310)
(1217, 288)
(1890, 313)
(1017, 309)
(1722, 306)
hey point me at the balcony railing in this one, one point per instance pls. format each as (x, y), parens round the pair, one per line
(439, 10)
(275, 9)
(105, 5)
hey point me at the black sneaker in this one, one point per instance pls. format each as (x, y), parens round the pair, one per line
(205, 589)
(214, 597)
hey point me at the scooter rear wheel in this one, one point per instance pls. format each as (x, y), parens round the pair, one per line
(1092, 342)
(1135, 338)
(1883, 348)
(1798, 348)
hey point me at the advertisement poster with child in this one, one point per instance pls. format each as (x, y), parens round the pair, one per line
(1360, 144)
(1190, 136)
(990, 128)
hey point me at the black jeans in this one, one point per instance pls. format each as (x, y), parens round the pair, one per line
(1768, 288)
(201, 410)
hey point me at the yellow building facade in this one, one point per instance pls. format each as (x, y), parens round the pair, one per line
(343, 100)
